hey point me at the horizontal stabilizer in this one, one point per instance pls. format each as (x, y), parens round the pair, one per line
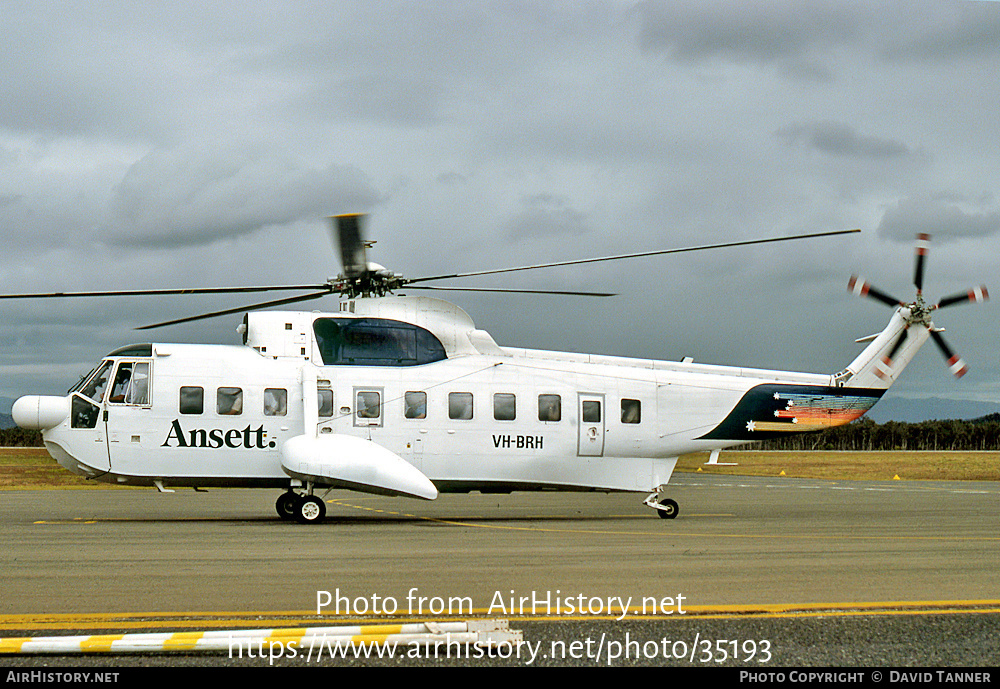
(346, 461)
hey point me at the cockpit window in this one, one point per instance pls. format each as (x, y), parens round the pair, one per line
(138, 392)
(94, 386)
(375, 342)
(131, 384)
(122, 379)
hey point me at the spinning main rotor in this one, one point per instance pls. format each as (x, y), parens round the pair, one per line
(363, 278)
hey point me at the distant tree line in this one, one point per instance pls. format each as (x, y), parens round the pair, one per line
(863, 435)
(18, 437)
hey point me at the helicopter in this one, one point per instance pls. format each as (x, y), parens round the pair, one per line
(404, 396)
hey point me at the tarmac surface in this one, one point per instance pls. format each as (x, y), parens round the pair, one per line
(757, 573)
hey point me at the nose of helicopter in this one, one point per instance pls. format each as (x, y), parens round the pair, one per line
(40, 412)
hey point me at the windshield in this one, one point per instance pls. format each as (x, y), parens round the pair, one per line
(93, 386)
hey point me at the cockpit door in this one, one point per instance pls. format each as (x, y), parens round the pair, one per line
(127, 409)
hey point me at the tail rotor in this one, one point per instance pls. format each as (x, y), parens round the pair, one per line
(917, 312)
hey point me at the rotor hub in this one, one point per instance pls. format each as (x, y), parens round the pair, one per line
(920, 312)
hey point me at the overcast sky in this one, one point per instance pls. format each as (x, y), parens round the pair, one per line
(177, 144)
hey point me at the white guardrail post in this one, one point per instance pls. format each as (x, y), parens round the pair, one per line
(483, 633)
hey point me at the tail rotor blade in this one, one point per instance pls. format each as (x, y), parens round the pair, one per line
(862, 288)
(955, 363)
(923, 244)
(347, 234)
(898, 345)
(975, 295)
(884, 367)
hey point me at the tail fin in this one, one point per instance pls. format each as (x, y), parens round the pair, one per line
(880, 364)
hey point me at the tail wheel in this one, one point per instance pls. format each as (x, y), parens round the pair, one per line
(310, 510)
(668, 509)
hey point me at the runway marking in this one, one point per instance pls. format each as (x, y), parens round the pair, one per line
(215, 620)
(903, 486)
(668, 534)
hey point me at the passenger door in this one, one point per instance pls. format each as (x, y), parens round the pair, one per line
(590, 409)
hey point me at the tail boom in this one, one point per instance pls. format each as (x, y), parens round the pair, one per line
(881, 362)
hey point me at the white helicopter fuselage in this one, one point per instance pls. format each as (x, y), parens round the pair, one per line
(404, 396)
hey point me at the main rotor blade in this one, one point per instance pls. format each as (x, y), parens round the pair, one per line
(349, 237)
(976, 295)
(923, 245)
(624, 256)
(239, 309)
(515, 290)
(162, 292)
(860, 287)
(955, 363)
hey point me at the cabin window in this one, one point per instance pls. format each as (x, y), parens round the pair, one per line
(415, 405)
(549, 408)
(369, 405)
(275, 402)
(229, 401)
(504, 406)
(325, 401)
(631, 411)
(375, 342)
(192, 400)
(591, 411)
(460, 405)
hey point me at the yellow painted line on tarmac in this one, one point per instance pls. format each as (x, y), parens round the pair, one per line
(155, 620)
(287, 624)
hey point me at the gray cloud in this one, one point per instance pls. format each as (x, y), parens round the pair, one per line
(838, 139)
(546, 214)
(938, 216)
(941, 31)
(191, 196)
(755, 32)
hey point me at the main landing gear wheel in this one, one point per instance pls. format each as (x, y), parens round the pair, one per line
(310, 510)
(668, 509)
(286, 504)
